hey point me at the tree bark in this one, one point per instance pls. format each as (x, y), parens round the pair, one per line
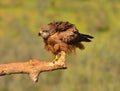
(32, 67)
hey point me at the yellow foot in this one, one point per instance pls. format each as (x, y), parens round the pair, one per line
(56, 58)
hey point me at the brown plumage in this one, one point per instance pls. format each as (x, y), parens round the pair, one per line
(62, 36)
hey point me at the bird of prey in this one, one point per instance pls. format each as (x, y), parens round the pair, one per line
(62, 36)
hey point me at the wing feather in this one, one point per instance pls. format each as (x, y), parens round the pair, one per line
(69, 36)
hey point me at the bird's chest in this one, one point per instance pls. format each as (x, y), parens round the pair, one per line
(51, 42)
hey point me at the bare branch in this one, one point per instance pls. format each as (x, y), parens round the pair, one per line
(32, 67)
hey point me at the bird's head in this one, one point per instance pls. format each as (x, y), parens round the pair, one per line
(44, 32)
(47, 30)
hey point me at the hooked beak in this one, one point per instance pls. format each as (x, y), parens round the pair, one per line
(39, 34)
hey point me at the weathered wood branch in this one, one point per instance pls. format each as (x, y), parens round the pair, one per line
(32, 67)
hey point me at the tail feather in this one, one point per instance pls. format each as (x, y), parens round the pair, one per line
(89, 36)
(85, 38)
(80, 46)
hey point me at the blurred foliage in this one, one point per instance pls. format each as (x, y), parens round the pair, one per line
(94, 69)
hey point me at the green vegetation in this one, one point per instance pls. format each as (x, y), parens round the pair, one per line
(94, 69)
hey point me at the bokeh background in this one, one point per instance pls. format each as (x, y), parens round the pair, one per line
(97, 68)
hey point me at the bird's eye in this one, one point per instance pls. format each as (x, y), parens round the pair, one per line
(45, 30)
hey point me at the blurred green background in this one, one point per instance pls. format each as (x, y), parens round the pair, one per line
(94, 69)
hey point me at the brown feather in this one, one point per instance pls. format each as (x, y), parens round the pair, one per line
(64, 36)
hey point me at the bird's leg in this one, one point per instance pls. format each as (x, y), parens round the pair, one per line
(56, 58)
(60, 57)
